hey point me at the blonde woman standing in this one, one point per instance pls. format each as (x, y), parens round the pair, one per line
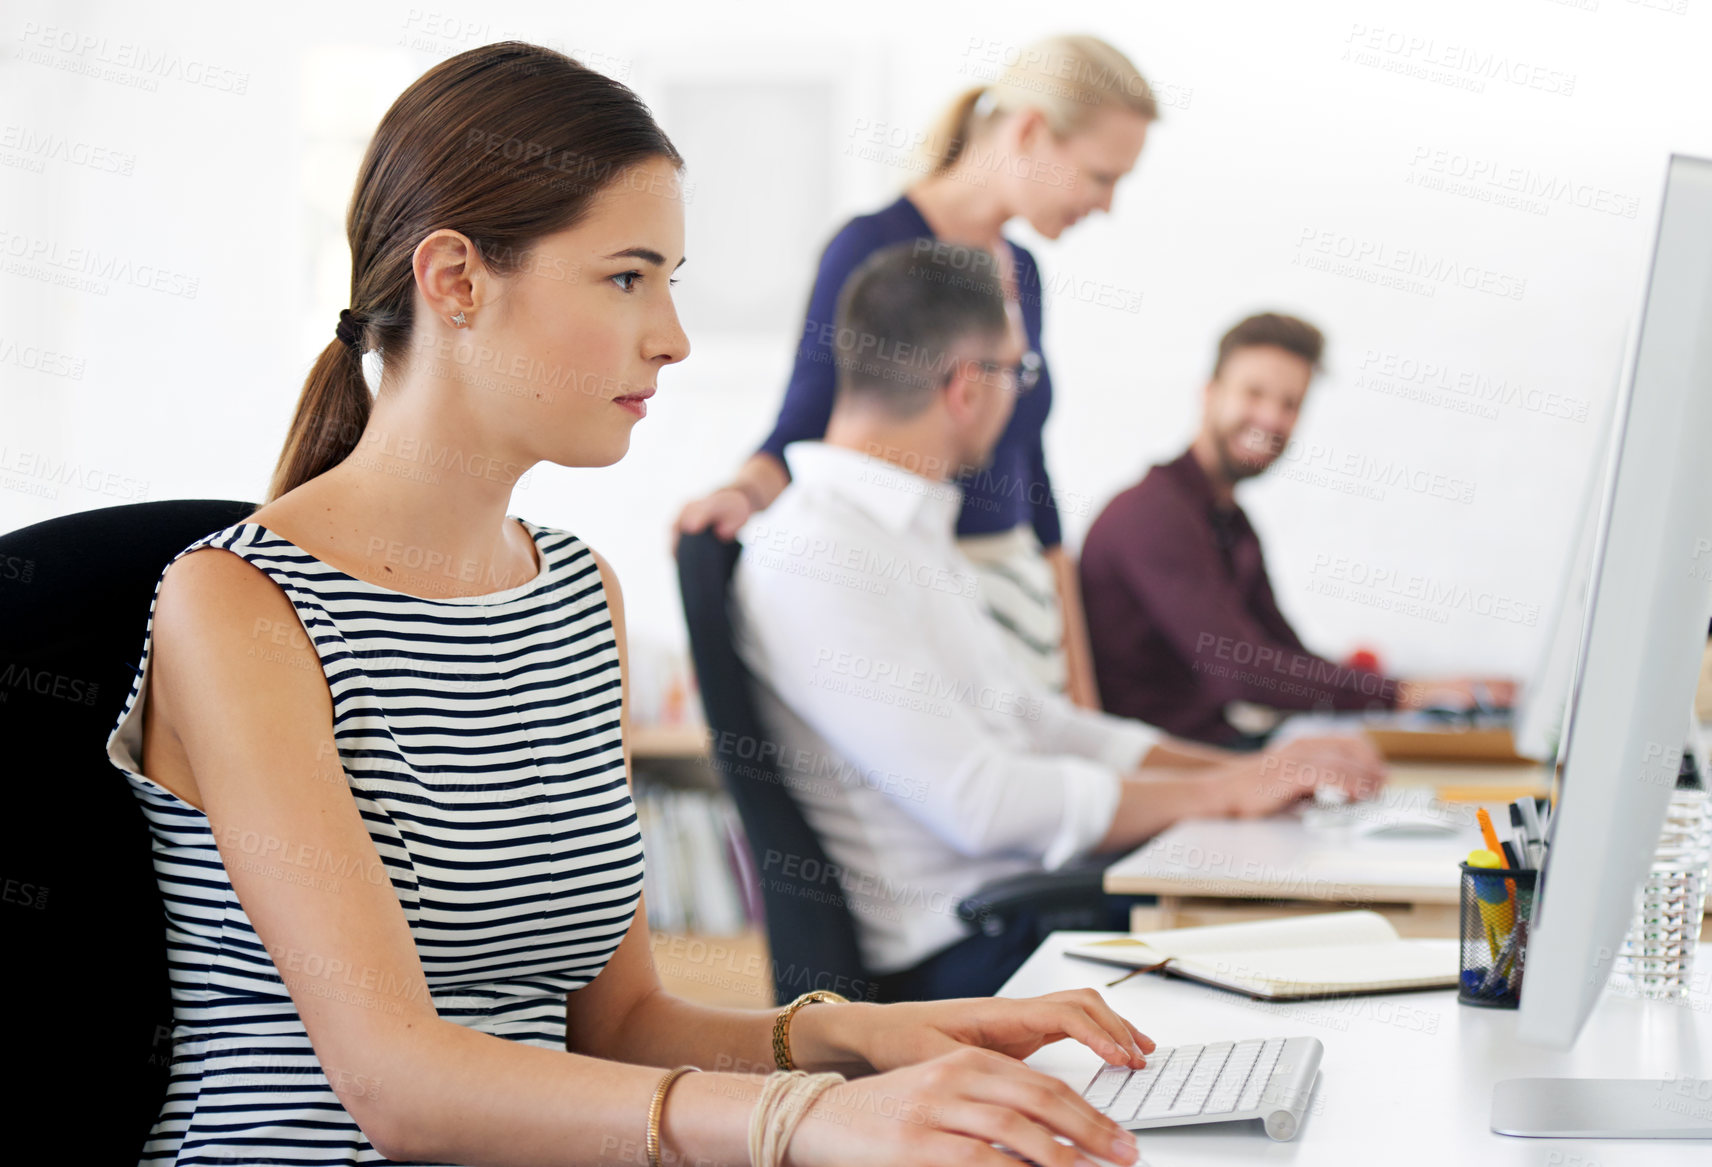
(1047, 142)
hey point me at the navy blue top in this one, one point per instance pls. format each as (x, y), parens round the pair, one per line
(1014, 488)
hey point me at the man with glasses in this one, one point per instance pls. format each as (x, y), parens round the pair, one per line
(929, 761)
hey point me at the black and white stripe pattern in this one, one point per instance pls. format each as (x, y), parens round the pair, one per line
(1021, 596)
(480, 738)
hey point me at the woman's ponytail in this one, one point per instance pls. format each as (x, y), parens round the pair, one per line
(947, 135)
(1068, 79)
(331, 413)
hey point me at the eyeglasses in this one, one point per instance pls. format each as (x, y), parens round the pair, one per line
(1028, 371)
(1023, 376)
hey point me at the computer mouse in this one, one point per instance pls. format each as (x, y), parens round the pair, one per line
(1422, 828)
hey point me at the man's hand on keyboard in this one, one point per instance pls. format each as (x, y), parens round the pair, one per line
(1260, 784)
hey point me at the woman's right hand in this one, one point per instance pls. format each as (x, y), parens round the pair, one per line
(725, 510)
(948, 1110)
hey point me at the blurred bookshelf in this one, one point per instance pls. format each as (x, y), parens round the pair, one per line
(702, 894)
(703, 897)
(654, 742)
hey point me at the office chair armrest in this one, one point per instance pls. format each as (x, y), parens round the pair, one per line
(1057, 900)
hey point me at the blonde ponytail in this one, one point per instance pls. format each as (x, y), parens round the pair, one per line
(946, 136)
(1067, 78)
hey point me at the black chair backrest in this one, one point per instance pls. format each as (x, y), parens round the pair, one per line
(85, 982)
(809, 927)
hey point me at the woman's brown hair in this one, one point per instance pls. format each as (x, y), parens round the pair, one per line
(506, 143)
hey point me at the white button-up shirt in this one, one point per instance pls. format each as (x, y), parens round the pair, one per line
(927, 760)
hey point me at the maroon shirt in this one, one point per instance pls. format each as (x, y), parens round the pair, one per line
(1183, 620)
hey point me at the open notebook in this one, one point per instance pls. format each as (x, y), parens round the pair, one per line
(1278, 960)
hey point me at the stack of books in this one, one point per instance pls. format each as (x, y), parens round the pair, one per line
(699, 875)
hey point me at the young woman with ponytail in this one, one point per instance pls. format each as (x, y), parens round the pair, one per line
(1046, 141)
(378, 734)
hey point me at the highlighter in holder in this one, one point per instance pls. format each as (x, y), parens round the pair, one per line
(1494, 934)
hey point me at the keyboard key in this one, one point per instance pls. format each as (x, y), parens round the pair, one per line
(1262, 1073)
(1164, 1094)
(1105, 1086)
(1135, 1090)
(1193, 1098)
(1232, 1078)
(1200, 1082)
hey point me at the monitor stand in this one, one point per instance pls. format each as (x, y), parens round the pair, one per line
(1603, 1108)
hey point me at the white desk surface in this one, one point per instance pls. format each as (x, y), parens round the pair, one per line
(1281, 857)
(1406, 1078)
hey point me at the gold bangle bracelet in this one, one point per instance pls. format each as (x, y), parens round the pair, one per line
(782, 1024)
(657, 1107)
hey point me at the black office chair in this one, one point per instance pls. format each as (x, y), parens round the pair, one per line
(809, 926)
(88, 999)
(810, 931)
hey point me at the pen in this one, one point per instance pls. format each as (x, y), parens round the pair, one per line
(1506, 955)
(1510, 857)
(1530, 819)
(1528, 838)
(1493, 845)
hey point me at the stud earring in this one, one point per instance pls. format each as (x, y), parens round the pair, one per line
(458, 320)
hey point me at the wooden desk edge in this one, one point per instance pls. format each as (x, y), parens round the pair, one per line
(1328, 890)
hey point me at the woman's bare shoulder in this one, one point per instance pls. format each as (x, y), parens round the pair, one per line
(228, 642)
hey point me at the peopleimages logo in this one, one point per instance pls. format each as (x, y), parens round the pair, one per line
(1458, 66)
(1487, 179)
(87, 269)
(1437, 596)
(1463, 390)
(1408, 269)
(863, 563)
(878, 675)
(1362, 473)
(1296, 665)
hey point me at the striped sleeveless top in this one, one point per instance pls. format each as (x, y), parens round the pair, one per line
(479, 736)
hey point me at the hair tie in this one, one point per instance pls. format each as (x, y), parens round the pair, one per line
(350, 328)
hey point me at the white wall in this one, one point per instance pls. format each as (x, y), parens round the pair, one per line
(1291, 133)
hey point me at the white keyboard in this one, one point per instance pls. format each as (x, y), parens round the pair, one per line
(1265, 1078)
(1419, 817)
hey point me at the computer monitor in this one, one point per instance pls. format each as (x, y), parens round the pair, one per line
(1637, 664)
(1543, 704)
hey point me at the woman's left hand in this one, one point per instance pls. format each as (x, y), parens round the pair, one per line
(888, 1037)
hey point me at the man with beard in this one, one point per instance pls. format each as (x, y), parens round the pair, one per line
(1183, 617)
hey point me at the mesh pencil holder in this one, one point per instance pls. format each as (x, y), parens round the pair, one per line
(1496, 904)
